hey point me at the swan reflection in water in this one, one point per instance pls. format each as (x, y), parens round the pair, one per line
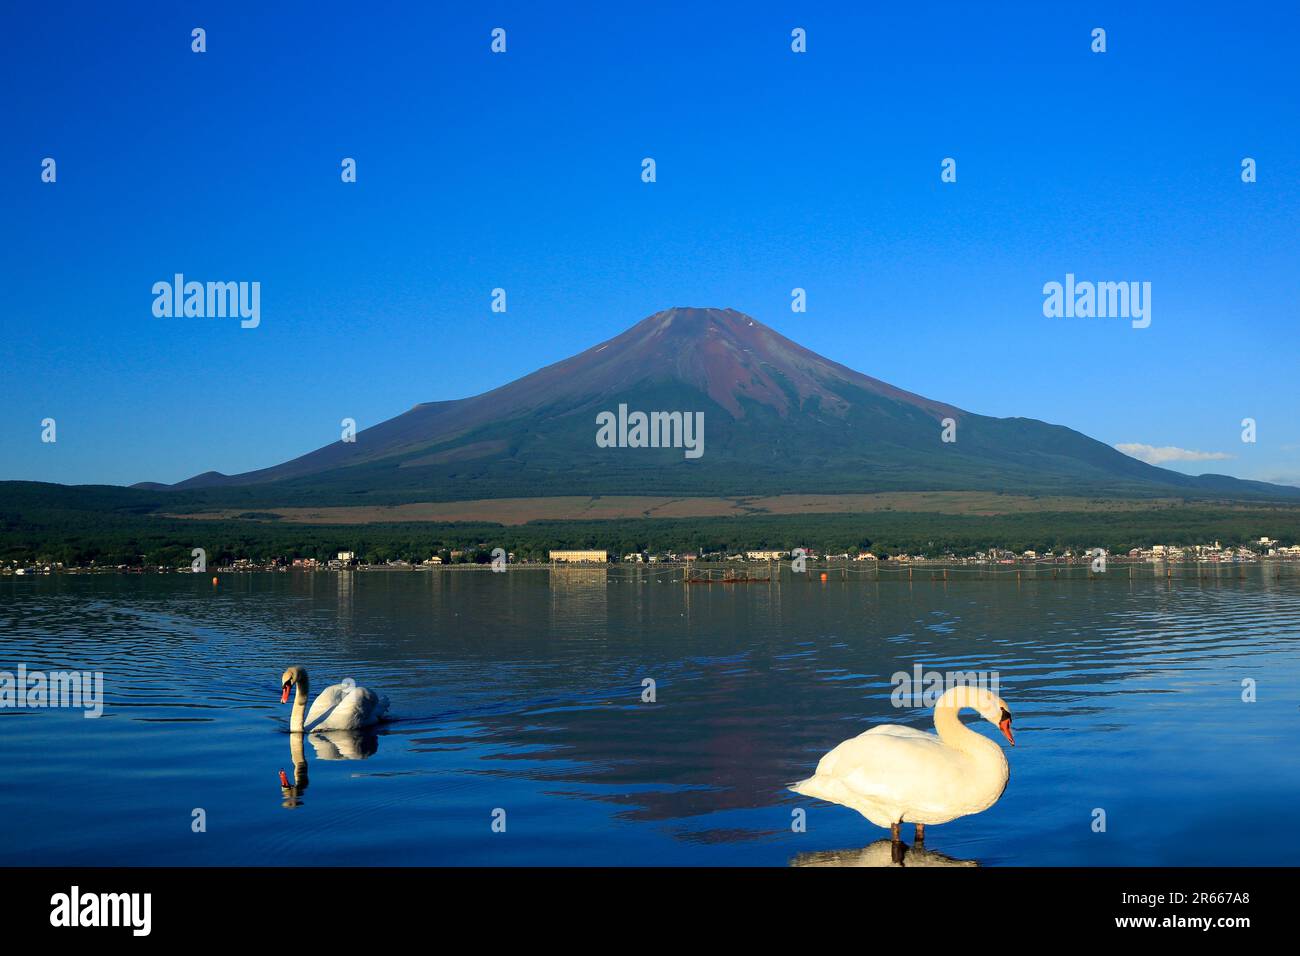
(329, 745)
(881, 853)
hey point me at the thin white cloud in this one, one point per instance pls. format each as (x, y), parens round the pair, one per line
(1158, 456)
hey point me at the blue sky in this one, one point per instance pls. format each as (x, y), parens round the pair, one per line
(522, 171)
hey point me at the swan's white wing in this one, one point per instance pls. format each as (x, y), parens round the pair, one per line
(880, 748)
(900, 730)
(893, 772)
(325, 703)
(361, 708)
(344, 709)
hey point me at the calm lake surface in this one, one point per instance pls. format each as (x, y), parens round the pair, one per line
(522, 692)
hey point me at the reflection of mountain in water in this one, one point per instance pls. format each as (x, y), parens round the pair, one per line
(880, 853)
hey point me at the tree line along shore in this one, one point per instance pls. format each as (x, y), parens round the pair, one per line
(90, 540)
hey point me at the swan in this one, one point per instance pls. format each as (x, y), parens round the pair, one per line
(892, 774)
(339, 707)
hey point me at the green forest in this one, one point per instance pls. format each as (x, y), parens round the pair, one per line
(119, 530)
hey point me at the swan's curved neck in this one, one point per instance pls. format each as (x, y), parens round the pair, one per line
(953, 732)
(299, 714)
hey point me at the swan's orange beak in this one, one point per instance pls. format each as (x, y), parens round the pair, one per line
(1005, 727)
(284, 698)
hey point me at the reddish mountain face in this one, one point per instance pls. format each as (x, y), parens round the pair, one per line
(778, 418)
(721, 353)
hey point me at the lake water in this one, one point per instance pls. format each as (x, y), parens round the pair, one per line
(522, 692)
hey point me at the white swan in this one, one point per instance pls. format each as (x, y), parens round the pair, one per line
(892, 774)
(339, 707)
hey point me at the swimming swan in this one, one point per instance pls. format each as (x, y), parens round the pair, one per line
(339, 707)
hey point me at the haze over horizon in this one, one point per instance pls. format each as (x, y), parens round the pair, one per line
(774, 171)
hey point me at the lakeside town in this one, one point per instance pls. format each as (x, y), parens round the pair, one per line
(486, 557)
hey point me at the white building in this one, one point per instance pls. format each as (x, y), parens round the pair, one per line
(577, 557)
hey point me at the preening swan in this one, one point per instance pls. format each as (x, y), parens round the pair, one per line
(339, 707)
(893, 774)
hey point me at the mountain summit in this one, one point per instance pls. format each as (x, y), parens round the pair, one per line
(778, 418)
(729, 357)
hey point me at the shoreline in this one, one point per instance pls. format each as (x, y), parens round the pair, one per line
(816, 567)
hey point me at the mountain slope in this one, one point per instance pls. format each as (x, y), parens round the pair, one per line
(778, 418)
